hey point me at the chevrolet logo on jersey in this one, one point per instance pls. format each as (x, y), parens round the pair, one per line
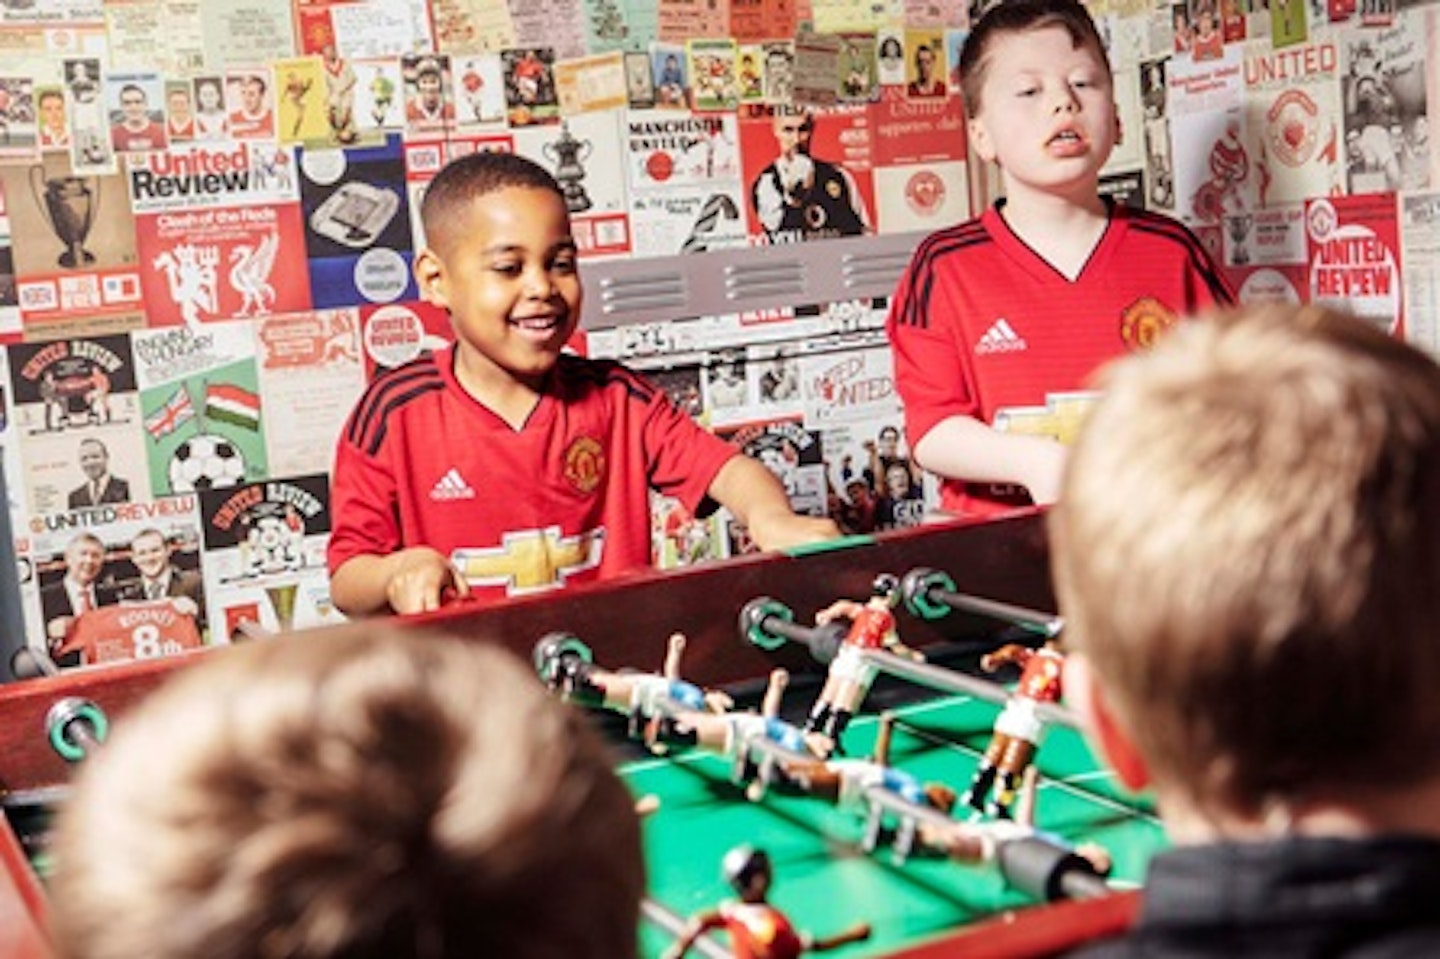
(527, 561)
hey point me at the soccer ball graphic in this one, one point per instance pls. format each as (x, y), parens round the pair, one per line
(205, 461)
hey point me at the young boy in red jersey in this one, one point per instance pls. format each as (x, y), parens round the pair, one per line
(1247, 554)
(502, 464)
(997, 317)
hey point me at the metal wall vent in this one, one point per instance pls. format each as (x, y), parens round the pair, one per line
(783, 279)
(653, 291)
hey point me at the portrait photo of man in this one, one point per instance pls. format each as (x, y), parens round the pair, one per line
(100, 485)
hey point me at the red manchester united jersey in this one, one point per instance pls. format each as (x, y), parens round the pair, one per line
(143, 630)
(562, 499)
(983, 326)
(870, 628)
(760, 931)
(1040, 679)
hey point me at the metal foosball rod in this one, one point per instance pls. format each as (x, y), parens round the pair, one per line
(931, 594)
(675, 924)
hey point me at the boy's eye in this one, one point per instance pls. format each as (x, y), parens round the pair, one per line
(507, 269)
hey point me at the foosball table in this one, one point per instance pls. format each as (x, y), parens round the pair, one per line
(961, 588)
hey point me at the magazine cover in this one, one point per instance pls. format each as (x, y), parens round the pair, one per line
(120, 583)
(311, 374)
(807, 172)
(921, 179)
(357, 224)
(74, 247)
(265, 555)
(1387, 120)
(679, 538)
(1354, 257)
(856, 385)
(1420, 240)
(530, 92)
(201, 406)
(220, 231)
(1294, 136)
(585, 155)
(1213, 169)
(77, 420)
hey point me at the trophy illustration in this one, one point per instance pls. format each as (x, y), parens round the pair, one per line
(567, 153)
(1239, 232)
(68, 204)
(282, 600)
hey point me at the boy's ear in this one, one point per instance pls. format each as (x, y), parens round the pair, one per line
(1084, 695)
(980, 139)
(1119, 129)
(430, 278)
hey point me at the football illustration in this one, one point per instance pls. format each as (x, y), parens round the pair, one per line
(205, 461)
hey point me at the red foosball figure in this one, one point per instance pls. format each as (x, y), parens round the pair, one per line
(757, 929)
(851, 674)
(1018, 728)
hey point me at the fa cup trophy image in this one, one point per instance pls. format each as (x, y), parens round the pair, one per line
(68, 204)
(1239, 232)
(282, 600)
(568, 153)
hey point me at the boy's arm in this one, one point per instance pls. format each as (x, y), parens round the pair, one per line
(413, 580)
(1009, 653)
(964, 448)
(755, 496)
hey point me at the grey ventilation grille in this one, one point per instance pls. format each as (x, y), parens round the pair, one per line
(654, 291)
(866, 270)
(623, 292)
(777, 277)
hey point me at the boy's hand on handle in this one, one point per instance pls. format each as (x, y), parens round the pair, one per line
(420, 579)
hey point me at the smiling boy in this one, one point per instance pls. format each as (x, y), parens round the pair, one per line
(503, 466)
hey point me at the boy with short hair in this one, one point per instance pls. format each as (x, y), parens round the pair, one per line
(1247, 554)
(375, 793)
(503, 464)
(999, 316)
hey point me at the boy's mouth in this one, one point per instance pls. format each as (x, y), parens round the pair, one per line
(1068, 143)
(541, 326)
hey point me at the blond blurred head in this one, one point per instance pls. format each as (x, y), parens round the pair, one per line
(356, 793)
(1247, 553)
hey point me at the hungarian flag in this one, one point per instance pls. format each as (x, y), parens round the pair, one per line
(232, 404)
(165, 420)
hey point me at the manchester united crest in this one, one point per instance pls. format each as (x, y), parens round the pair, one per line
(1143, 321)
(585, 464)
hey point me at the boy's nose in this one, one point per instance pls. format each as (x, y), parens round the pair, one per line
(539, 284)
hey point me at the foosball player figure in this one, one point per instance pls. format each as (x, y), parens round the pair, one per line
(647, 698)
(849, 783)
(757, 929)
(738, 735)
(845, 780)
(872, 627)
(1018, 728)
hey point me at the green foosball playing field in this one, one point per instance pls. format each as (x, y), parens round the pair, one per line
(824, 882)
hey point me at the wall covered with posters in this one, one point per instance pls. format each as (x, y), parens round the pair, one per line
(208, 217)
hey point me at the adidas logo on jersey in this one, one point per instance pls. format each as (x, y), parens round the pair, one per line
(452, 486)
(1000, 338)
